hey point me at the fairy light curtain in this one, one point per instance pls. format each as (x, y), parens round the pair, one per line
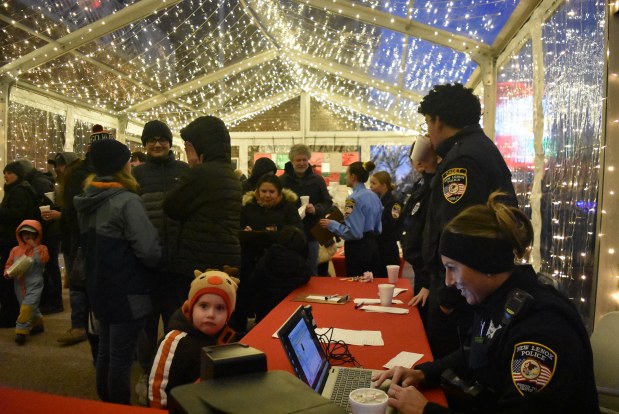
(574, 77)
(34, 134)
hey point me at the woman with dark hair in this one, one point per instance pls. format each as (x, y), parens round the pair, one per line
(119, 243)
(362, 222)
(265, 211)
(383, 187)
(528, 350)
(261, 167)
(19, 203)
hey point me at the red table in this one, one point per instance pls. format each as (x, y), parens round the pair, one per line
(14, 401)
(339, 263)
(399, 332)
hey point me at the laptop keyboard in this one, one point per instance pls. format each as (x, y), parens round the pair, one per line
(348, 380)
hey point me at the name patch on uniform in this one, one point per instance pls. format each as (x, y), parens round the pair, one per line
(454, 184)
(349, 206)
(396, 210)
(533, 366)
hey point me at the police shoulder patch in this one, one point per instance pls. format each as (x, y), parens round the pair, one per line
(396, 210)
(349, 206)
(454, 184)
(533, 366)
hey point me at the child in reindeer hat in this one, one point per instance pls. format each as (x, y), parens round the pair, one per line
(201, 321)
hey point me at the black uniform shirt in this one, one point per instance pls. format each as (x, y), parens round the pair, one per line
(540, 362)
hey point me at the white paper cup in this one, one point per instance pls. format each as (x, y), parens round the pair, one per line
(368, 401)
(385, 293)
(44, 208)
(393, 272)
(304, 200)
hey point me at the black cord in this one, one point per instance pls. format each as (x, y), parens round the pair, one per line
(336, 351)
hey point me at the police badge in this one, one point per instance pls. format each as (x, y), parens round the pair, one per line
(454, 184)
(533, 366)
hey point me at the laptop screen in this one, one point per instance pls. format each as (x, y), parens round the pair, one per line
(303, 349)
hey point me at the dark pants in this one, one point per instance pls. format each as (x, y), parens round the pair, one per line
(169, 291)
(362, 256)
(9, 307)
(117, 346)
(51, 299)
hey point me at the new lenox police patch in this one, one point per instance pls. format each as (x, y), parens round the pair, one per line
(533, 366)
(396, 210)
(349, 206)
(454, 184)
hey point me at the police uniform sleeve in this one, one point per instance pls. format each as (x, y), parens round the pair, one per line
(352, 228)
(545, 367)
(392, 219)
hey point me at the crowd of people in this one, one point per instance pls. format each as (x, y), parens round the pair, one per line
(150, 239)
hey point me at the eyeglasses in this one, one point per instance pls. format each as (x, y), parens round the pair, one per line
(153, 141)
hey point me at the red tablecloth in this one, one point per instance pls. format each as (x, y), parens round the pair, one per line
(14, 401)
(399, 332)
(339, 263)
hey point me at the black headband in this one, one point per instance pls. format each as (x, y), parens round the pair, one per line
(485, 255)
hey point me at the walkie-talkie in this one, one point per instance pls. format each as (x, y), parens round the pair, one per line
(517, 300)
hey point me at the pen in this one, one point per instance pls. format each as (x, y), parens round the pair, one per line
(331, 296)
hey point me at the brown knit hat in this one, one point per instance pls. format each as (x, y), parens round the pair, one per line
(215, 282)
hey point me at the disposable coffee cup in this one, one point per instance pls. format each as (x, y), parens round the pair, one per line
(368, 401)
(392, 273)
(385, 293)
(304, 200)
(44, 208)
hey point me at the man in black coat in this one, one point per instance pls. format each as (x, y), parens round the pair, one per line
(206, 201)
(299, 176)
(157, 176)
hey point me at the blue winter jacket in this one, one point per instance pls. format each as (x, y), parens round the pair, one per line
(119, 243)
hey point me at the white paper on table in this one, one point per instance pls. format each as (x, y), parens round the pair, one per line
(353, 337)
(384, 309)
(371, 301)
(397, 291)
(403, 359)
(302, 212)
(330, 298)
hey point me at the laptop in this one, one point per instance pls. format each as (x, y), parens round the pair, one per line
(312, 366)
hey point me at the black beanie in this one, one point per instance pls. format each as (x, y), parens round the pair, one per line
(108, 156)
(16, 168)
(209, 137)
(261, 167)
(154, 129)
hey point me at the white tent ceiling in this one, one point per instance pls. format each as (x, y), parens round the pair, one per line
(178, 59)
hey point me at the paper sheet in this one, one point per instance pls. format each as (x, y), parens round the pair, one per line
(353, 337)
(302, 212)
(371, 301)
(397, 291)
(403, 359)
(384, 309)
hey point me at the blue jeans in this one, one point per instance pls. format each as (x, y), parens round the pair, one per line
(312, 256)
(117, 346)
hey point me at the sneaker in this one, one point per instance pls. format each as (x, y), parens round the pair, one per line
(73, 336)
(141, 389)
(20, 339)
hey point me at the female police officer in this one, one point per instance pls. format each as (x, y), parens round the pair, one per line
(528, 350)
(380, 183)
(362, 222)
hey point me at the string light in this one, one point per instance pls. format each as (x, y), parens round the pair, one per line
(194, 38)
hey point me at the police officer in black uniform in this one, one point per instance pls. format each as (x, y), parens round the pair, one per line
(471, 168)
(414, 215)
(391, 219)
(528, 351)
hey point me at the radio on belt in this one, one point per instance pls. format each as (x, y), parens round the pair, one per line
(229, 360)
